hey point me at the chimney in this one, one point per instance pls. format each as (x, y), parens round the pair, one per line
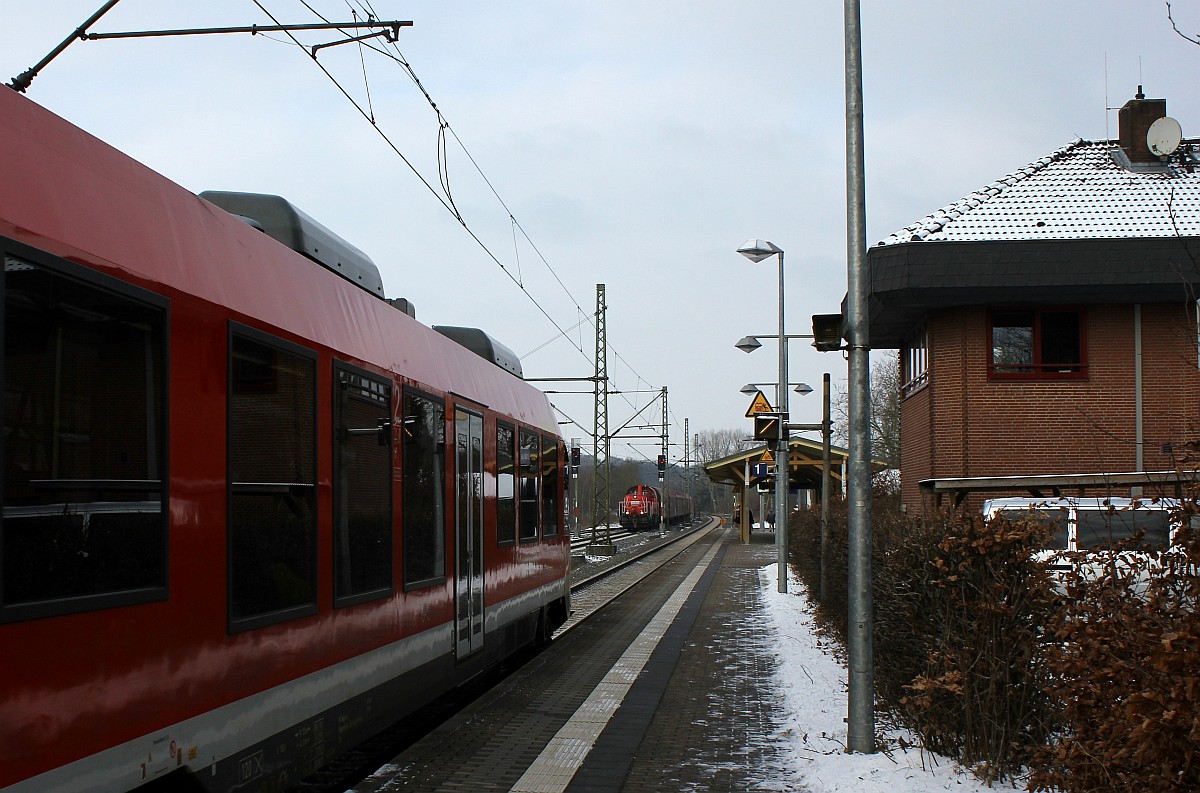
(1134, 120)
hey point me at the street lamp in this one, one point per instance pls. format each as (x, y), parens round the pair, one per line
(752, 343)
(753, 388)
(748, 343)
(757, 250)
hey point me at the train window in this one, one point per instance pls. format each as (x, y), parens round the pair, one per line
(362, 486)
(528, 511)
(424, 505)
(506, 496)
(551, 506)
(84, 431)
(272, 480)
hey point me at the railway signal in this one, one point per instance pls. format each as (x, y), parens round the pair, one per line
(662, 467)
(767, 426)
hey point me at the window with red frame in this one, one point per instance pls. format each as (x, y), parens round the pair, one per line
(1038, 343)
(914, 362)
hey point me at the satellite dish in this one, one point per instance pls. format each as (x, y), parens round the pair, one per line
(1164, 136)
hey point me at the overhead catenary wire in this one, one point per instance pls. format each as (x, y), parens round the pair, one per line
(390, 49)
(445, 197)
(444, 125)
(584, 320)
(443, 200)
(366, 83)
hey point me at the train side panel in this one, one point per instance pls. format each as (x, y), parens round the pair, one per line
(107, 693)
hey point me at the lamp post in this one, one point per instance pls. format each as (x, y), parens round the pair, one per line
(860, 715)
(756, 251)
(752, 388)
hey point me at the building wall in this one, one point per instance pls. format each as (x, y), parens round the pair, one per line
(916, 444)
(962, 424)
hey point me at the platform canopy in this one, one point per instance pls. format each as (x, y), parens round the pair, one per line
(804, 465)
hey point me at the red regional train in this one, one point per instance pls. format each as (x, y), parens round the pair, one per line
(642, 508)
(253, 511)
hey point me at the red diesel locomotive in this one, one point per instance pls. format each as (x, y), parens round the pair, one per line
(642, 508)
(253, 511)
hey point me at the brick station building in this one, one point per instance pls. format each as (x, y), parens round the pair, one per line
(1047, 323)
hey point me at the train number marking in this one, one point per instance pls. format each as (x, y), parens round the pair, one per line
(252, 766)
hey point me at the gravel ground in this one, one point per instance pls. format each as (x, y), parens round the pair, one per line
(584, 566)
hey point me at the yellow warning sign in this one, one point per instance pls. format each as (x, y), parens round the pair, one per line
(767, 457)
(758, 405)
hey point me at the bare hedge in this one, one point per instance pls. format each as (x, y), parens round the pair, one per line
(1125, 655)
(1088, 681)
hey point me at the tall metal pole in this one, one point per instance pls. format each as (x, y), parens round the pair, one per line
(666, 499)
(781, 448)
(601, 466)
(860, 650)
(826, 431)
(687, 463)
(696, 474)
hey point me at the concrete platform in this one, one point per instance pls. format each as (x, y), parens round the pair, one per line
(667, 689)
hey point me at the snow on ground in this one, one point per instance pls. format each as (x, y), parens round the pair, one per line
(813, 683)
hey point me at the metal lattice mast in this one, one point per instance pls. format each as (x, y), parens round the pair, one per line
(687, 459)
(667, 462)
(600, 440)
(687, 449)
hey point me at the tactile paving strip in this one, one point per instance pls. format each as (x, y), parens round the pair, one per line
(567, 750)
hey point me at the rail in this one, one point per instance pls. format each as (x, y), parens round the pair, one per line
(578, 615)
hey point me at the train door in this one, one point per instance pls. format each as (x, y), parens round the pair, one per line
(468, 432)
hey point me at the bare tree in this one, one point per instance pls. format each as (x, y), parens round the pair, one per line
(1175, 27)
(885, 411)
(713, 445)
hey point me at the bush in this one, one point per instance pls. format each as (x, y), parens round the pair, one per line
(804, 558)
(959, 607)
(967, 616)
(1127, 672)
(1091, 680)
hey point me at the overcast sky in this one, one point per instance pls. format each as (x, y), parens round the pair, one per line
(637, 143)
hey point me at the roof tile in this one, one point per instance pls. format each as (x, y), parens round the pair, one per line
(1076, 192)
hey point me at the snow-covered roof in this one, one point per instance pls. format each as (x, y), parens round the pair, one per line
(1080, 191)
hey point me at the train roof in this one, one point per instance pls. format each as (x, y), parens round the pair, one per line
(74, 196)
(283, 221)
(484, 346)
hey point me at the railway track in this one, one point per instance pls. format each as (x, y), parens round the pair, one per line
(579, 545)
(621, 576)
